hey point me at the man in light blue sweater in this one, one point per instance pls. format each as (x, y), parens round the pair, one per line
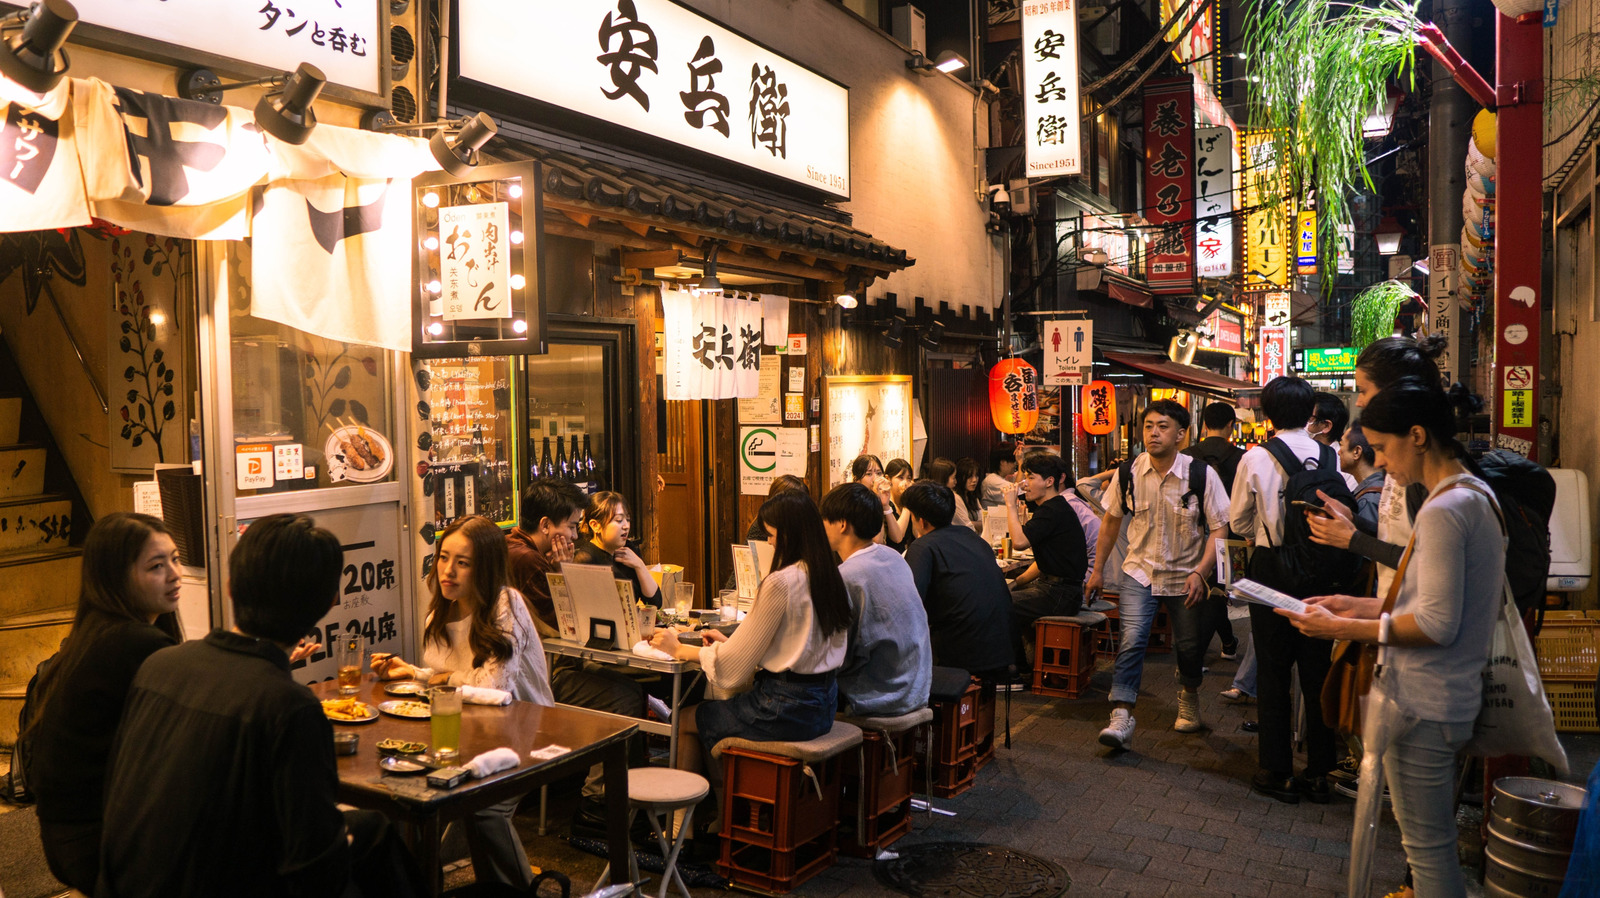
(888, 667)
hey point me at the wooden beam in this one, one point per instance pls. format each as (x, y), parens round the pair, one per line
(652, 259)
(582, 218)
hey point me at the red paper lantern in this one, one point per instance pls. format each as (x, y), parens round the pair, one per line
(1099, 407)
(1014, 396)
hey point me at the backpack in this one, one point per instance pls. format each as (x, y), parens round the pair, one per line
(14, 788)
(1299, 566)
(1527, 496)
(1197, 488)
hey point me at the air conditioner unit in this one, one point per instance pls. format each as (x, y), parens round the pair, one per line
(909, 26)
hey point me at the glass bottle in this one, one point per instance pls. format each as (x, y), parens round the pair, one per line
(563, 470)
(588, 460)
(576, 461)
(546, 466)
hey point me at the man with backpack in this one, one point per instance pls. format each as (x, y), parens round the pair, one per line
(1290, 468)
(1216, 448)
(1176, 510)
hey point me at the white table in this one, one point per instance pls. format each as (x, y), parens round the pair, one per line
(617, 658)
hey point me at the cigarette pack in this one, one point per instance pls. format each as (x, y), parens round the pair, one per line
(448, 777)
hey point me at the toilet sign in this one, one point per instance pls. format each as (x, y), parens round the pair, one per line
(1069, 348)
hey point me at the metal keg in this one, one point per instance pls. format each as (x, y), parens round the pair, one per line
(1531, 825)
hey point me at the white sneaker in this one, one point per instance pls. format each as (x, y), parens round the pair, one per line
(1119, 734)
(1188, 712)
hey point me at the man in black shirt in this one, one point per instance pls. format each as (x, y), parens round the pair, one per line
(1053, 584)
(222, 778)
(1216, 448)
(962, 588)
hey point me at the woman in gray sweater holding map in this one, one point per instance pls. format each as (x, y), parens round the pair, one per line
(1440, 627)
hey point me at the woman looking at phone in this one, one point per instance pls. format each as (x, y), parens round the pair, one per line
(1440, 628)
(478, 632)
(779, 665)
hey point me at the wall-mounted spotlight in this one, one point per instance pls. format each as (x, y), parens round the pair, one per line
(455, 143)
(932, 335)
(948, 62)
(709, 282)
(847, 299)
(284, 112)
(894, 336)
(32, 56)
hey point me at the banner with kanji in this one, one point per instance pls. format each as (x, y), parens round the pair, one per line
(1169, 184)
(1050, 110)
(1213, 202)
(1272, 354)
(1269, 217)
(41, 180)
(711, 346)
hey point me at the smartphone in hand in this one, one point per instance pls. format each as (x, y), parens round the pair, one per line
(1310, 508)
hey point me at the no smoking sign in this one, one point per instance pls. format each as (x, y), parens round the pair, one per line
(1519, 377)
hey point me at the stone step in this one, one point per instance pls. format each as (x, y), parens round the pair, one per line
(46, 578)
(10, 419)
(35, 522)
(11, 695)
(21, 469)
(27, 639)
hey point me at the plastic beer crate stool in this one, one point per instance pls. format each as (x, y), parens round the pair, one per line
(1064, 652)
(877, 795)
(780, 807)
(948, 751)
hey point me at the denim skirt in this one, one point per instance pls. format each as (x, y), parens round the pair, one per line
(773, 710)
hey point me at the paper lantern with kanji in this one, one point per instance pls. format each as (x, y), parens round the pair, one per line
(1014, 396)
(1099, 407)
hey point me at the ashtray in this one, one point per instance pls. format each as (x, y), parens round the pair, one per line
(346, 743)
(401, 766)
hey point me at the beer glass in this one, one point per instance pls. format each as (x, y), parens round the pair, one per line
(445, 722)
(348, 650)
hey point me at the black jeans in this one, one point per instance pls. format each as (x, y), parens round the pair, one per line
(1044, 597)
(72, 851)
(1280, 648)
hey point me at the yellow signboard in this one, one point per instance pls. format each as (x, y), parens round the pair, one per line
(1305, 243)
(1267, 225)
(1518, 407)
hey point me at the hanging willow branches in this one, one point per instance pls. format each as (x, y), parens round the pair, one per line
(1317, 68)
(1373, 309)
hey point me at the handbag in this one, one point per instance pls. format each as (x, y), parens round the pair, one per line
(1350, 674)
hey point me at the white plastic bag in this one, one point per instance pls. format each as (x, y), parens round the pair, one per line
(1382, 722)
(1515, 718)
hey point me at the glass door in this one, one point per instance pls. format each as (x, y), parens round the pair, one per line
(583, 402)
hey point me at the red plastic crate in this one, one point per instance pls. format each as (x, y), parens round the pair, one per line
(1064, 685)
(1064, 655)
(952, 780)
(776, 830)
(760, 868)
(955, 729)
(886, 794)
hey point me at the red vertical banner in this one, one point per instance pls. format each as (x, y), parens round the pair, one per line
(1519, 60)
(1169, 183)
(1272, 354)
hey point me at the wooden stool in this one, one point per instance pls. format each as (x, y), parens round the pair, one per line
(775, 835)
(656, 791)
(1064, 649)
(879, 794)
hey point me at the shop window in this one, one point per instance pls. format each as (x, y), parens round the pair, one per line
(308, 412)
(568, 407)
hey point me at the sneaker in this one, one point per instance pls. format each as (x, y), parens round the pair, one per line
(1119, 734)
(1346, 772)
(1188, 712)
(1233, 695)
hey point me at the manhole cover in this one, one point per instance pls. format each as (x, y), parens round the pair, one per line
(960, 869)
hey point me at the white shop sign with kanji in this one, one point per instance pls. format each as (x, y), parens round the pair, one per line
(475, 261)
(1050, 113)
(340, 38)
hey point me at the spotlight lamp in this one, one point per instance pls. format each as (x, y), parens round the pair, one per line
(894, 336)
(454, 144)
(948, 62)
(931, 336)
(709, 282)
(847, 299)
(31, 42)
(285, 111)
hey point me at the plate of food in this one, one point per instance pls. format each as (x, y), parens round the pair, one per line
(406, 689)
(348, 711)
(414, 710)
(401, 747)
(402, 766)
(359, 454)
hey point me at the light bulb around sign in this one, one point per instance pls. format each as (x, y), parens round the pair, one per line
(435, 287)
(431, 200)
(436, 328)
(431, 243)
(517, 281)
(516, 238)
(519, 326)
(515, 190)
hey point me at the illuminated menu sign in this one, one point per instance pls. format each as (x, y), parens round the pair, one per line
(1338, 360)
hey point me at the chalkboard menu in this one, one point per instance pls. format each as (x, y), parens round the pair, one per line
(467, 441)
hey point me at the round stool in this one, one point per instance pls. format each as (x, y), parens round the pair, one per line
(662, 790)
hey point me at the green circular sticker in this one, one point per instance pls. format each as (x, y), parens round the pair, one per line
(762, 458)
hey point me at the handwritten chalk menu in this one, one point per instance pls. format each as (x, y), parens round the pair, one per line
(467, 440)
(864, 415)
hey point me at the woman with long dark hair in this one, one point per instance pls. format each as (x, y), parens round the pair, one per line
(1440, 626)
(478, 632)
(127, 603)
(603, 539)
(968, 492)
(779, 666)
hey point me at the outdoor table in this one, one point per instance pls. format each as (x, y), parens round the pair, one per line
(522, 726)
(1013, 566)
(619, 658)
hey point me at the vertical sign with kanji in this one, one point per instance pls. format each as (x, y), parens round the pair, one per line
(1305, 242)
(475, 261)
(1068, 349)
(1442, 261)
(1213, 202)
(1273, 354)
(1099, 414)
(1169, 183)
(1266, 233)
(1050, 112)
